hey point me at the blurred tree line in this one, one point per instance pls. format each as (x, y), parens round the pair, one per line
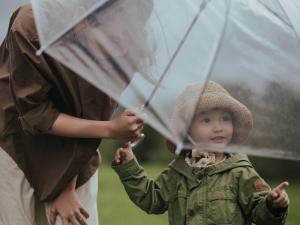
(276, 126)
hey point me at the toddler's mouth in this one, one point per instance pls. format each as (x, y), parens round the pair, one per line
(218, 139)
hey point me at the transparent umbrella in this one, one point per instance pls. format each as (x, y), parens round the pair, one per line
(146, 53)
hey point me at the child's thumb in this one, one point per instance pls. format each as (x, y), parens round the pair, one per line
(128, 146)
(272, 195)
(124, 152)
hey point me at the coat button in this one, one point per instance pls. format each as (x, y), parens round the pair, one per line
(191, 213)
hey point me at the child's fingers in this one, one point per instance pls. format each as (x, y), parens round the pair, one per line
(129, 148)
(283, 199)
(282, 203)
(124, 154)
(127, 144)
(286, 204)
(121, 155)
(277, 191)
(279, 200)
(117, 156)
(281, 187)
(272, 196)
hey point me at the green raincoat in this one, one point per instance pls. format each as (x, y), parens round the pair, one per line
(230, 192)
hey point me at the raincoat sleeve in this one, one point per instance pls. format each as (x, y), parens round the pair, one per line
(253, 191)
(149, 195)
(28, 82)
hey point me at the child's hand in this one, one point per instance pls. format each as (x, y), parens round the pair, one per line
(126, 127)
(123, 155)
(69, 208)
(278, 198)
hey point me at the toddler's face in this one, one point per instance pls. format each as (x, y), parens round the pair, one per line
(212, 128)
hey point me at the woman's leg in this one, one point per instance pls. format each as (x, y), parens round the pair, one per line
(17, 202)
(88, 194)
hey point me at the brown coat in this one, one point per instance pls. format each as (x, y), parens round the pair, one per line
(33, 91)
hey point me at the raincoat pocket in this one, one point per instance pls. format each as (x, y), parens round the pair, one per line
(222, 206)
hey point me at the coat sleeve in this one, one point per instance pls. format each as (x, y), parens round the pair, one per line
(149, 195)
(252, 199)
(28, 82)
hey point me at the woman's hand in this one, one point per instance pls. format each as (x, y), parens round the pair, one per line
(67, 205)
(126, 127)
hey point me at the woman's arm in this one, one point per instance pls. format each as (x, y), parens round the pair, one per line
(125, 127)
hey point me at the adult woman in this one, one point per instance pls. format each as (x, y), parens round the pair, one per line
(51, 121)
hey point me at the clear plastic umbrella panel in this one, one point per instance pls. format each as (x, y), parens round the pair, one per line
(146, 53)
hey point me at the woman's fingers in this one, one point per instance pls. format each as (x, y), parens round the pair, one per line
(64, 221)
(127, 112)
(80, 218)
(73, 220)
(53, 215)
(139, 119)
(84, 212)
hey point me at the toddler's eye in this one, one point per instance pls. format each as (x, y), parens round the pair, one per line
(227, 118)
(205, 120)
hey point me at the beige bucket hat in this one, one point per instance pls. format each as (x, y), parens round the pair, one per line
(213, 96)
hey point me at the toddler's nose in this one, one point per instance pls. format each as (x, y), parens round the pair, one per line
(217, 126)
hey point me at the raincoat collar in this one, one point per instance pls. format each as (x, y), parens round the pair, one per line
(234, 161)
(194, 175)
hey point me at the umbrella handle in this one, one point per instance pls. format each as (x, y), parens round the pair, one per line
(138, 141)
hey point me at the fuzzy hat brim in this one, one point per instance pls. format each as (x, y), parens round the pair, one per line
(242, 117)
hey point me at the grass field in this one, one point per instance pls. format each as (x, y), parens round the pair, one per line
(116, 208)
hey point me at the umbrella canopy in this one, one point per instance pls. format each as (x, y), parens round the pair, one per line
(146, 53)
